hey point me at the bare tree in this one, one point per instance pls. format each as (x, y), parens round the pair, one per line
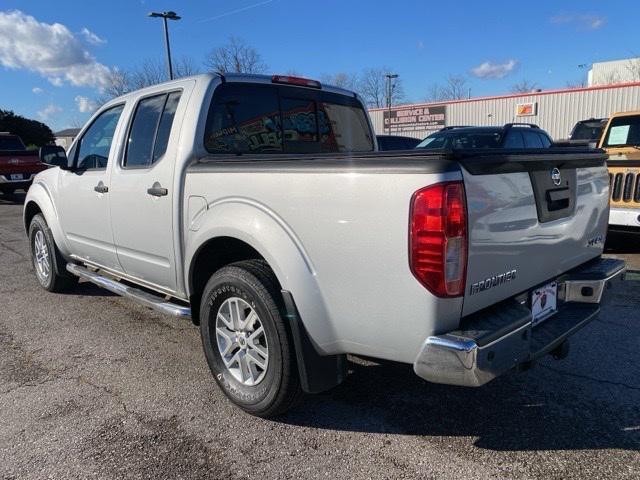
(341, 79)
(454, 88)
(373, 87)
(150, 72)
(579, 83)
(184, 66)
(524, 86)
(118, 84)
(633, 66)
(235, 57)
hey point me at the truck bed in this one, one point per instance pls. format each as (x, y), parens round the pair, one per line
(350, 224)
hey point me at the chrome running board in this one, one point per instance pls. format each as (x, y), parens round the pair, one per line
(144, 298)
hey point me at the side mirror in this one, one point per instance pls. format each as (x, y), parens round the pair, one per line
(55, 156)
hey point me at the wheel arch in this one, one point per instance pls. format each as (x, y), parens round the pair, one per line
(210, 257)
(39, 200)
(245, 228)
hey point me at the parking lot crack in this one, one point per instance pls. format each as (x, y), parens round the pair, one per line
(13, 250)
(105, 389)
(29, 385)
(593, 379)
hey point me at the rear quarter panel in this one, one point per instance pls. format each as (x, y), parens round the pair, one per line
(338, 240)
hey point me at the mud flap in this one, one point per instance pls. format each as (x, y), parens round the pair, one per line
(317, 372)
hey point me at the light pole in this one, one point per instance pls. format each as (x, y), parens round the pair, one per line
(165, 16)
(390, 77)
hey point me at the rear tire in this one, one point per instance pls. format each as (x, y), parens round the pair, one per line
(48, 263)
(246, 341)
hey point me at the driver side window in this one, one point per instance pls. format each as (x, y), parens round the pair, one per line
(93, 148)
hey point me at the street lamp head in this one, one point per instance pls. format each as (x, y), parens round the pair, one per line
(167, 15)
(391, 75)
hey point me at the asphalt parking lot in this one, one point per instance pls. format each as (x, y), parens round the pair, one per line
(94, 386)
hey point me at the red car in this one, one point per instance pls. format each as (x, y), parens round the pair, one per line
(18, 165)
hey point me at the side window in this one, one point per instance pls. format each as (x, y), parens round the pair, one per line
(94, 146)
(514, 140)
(546, 143)
(150, 129)
(531, 139)
(166, 122)
(244, 118)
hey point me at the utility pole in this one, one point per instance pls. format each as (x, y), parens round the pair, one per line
(165, 16)
(390, 77)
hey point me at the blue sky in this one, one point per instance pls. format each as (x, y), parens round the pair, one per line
(494, 44)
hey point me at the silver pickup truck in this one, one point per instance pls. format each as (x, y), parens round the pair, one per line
(259, 207)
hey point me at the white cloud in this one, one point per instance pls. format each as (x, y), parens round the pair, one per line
(48, 49)
(85, 105)
(494, 70)
(585, 22)
(91, 37)
(37, 90)
(49, 111)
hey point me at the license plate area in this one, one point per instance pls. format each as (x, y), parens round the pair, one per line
(16, 176)
(544, 302)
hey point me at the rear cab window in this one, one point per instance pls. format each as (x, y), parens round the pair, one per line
(253, 118)
(587, 130)
(11, 142)
(532, 139)
(514, 140)
(433, 142)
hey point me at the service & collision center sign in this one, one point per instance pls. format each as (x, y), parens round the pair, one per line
(413, 119)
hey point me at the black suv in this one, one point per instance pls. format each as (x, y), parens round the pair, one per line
(396, 142)
(511, 135)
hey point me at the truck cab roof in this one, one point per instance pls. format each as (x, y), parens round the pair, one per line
(228, 77)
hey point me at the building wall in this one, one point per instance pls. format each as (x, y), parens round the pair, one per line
(616, 71)
(556, 111)
(64, 142)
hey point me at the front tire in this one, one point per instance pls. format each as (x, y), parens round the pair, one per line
(246, 342)
(48, 263)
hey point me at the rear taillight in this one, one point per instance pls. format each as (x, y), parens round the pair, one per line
(438, 238)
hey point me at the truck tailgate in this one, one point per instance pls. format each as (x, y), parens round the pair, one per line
(531, 217)
(20, 161)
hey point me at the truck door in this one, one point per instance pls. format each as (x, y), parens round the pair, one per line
(84, 192)
(142, 195)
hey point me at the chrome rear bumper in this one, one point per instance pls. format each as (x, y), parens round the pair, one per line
(499, 338)
(6, 179)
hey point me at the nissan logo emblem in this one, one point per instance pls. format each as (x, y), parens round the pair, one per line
(555, 176)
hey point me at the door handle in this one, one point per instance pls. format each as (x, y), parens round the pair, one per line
(157, 191)
(101, 187)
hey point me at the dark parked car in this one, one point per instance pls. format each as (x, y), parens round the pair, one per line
(396, 142)
(511, 135)
(586, 131)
